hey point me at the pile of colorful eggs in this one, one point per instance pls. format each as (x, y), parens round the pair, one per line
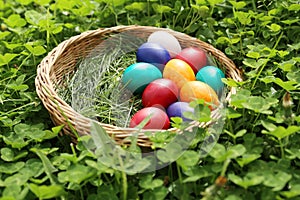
(168, 78)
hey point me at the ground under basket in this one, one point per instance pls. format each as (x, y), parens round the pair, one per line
(61, 62)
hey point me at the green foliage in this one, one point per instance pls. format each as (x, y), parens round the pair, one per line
(257, 155)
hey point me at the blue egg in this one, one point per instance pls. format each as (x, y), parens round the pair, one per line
(138, 75)
(178, 108)
(212, 76)
(153, 53)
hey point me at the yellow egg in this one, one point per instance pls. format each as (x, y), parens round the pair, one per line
(199, 90)
(179, 72)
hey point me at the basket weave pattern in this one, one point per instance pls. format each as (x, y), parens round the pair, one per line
(62, 60)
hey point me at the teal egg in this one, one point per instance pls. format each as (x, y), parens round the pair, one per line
(138, 75)
(212, 76)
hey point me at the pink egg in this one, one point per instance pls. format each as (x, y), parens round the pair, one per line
(158, 119)
(160, 93)
(194, 56)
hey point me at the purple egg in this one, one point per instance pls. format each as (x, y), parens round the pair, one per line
(178, 108)
(153, 53)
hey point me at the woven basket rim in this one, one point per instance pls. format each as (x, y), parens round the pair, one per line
(62, 113)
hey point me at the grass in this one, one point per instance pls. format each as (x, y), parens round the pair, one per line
(95, 89)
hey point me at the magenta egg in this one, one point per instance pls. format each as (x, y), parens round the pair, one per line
(153, 53)
(158, 119)
(178, 108)
(160, 93)
(194, 56)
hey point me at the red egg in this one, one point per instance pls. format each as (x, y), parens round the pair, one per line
(158, 119)
(194, 56)
(160, 93)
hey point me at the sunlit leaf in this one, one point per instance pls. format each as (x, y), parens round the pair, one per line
(250, 179)
(280, 132)
(4, 34)
(161, 8)
(243, 17)
(247, 158)
(36, 50)
(76, 174)
(276, 180)
(214, 2)
(6, 58)
(24, 2)
(294, 7)
(136, 6)
(294, 191)
(15, 20)
(287, 85)
(274, 27)
(253, 54)
(188, 159)
(10, 168)
(238, 5)
(254, 63)
(33, 17)
(47, 191)
(147, 182)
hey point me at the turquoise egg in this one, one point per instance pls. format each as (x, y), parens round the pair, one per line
(212, 76)
(138, 75)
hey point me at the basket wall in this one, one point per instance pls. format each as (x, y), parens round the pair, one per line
(62, 60)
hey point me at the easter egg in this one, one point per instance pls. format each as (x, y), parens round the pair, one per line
(161, 93)
(198, 90)
(138, 75)
(158, 119)
(212, 76)
(178, 108)
(194, 56)
(179, 72)
(153, 53)
(166, 40)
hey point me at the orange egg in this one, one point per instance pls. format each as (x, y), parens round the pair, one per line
(198, 90)
(179, 72)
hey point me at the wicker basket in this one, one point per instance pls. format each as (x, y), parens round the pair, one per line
(61, 62)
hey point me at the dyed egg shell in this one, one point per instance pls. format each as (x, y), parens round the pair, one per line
(198, 90)
(212, 76)
(158, 118)
(179, 72)
(138, 75)
(160, 93)
(166, 40)
(194, 56)
(153, 53)
(178, 108)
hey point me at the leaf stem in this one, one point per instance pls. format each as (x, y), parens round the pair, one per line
(281, 148)
(124, 179)
(180, 180)
(225, 166)
(265, 64)
(254, 5)
(125, 186)
(73, 151)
